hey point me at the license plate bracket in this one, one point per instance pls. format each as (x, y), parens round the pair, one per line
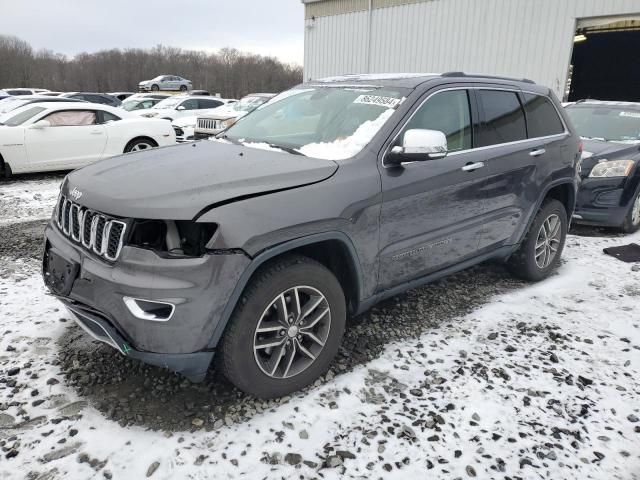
(59, 273)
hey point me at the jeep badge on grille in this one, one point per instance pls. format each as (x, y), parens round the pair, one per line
(75, 193)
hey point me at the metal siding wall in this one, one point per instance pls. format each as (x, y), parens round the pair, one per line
(520, 38)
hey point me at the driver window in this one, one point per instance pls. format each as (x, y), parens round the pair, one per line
(71, 118)
(447, 112)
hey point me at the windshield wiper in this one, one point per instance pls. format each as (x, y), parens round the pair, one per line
(286, 149)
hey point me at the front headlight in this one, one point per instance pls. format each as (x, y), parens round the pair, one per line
(612, 168)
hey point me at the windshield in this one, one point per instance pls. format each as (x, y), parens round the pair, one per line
(248, 104)
(23, 116)
(169, 103)
(604, 122)
(332, 123)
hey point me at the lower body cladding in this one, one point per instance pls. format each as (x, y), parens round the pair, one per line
(605, 202)
(162, 311)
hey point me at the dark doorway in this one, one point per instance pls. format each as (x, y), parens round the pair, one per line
(606, 66)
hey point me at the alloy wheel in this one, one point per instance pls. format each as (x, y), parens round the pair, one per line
(548, 241)
(635, 211)
(292, 332)
(141, 146)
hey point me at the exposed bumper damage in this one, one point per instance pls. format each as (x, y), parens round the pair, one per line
(180, 300)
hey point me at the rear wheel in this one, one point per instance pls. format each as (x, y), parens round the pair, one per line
(183, 88)
(286, 329)
(155, 88)
(540, 252)
(632, 220)
(139, 144)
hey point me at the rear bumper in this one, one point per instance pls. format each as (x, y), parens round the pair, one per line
(197, 288)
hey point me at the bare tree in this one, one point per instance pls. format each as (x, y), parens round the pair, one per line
(230, 72)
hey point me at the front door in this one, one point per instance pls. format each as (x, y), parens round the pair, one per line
(432, 211)
(73, 139)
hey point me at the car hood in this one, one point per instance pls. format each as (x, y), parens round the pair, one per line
(596, 151)
(179, 182)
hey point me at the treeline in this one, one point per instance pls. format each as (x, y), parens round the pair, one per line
(229, 72)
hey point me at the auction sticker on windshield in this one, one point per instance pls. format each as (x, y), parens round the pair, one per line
(388, 102)
(630, 114)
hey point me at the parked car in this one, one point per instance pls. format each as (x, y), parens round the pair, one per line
(139, 103)
(199, 92)
(224, 116)
(610, 190)
(63, 135)
(25, 91)
(50, 94)
(330, 198)
(101, 98)
(181, 106)
(11, 103)
(121, 95)
(165, 82)
(157, 96)
(4, 94)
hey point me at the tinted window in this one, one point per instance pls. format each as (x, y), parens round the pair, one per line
(503, 118)
(542, 117)
(449, 113)
(209, 103)
(23, 116)
(109, 117)
(191, 104)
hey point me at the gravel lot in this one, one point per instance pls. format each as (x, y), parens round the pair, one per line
(478, 375)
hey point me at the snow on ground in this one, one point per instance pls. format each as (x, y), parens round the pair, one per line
(28, 197)
(542, 382)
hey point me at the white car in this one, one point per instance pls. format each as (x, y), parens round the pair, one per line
(165, 82)
(185, 126)
(62, 136)
(181, 106)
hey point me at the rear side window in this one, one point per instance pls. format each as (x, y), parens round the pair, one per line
(208, 103)
(447, 112)
(542, 116)
(71, 118)
(503, 118)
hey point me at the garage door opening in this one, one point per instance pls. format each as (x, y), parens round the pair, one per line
(605, 64)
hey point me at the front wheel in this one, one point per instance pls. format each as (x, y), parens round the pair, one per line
(540, 252)
(155, 88)
(632, 220)
(286, 328)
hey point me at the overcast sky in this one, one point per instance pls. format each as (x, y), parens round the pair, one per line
(267, 27)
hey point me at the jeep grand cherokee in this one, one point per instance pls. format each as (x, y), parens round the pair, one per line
(337, 194)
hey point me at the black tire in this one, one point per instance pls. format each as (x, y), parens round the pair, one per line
(237, 358)
(5, 170)
(524, 263)
(155, 88)
(183, 88)
(139, 144)
(632, 220)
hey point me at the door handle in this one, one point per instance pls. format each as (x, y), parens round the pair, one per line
(470, 167)
(537, 153)
(96, 132)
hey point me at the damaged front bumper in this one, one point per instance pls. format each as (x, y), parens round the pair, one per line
(603, 201)
(193, 292)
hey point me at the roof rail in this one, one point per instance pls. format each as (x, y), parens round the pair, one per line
(495, 77)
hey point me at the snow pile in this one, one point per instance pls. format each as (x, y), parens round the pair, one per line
(542, 382)
(29, 198)
(343, 148)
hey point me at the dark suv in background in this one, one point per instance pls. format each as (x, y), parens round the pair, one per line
(333, 196)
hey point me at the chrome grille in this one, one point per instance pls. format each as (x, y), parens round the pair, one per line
(93, 230)
(208, 124)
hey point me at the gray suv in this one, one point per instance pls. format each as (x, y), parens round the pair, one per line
(256, 246)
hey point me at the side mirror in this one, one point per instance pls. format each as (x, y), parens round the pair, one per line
(40, 124)
(180, 108)
(419, 145)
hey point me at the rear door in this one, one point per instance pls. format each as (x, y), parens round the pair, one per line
(432, 211)
(75, 138)
(520, 148)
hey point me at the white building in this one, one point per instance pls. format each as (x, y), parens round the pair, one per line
(519, 38)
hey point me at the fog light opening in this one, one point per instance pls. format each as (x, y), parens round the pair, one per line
(149, 309)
